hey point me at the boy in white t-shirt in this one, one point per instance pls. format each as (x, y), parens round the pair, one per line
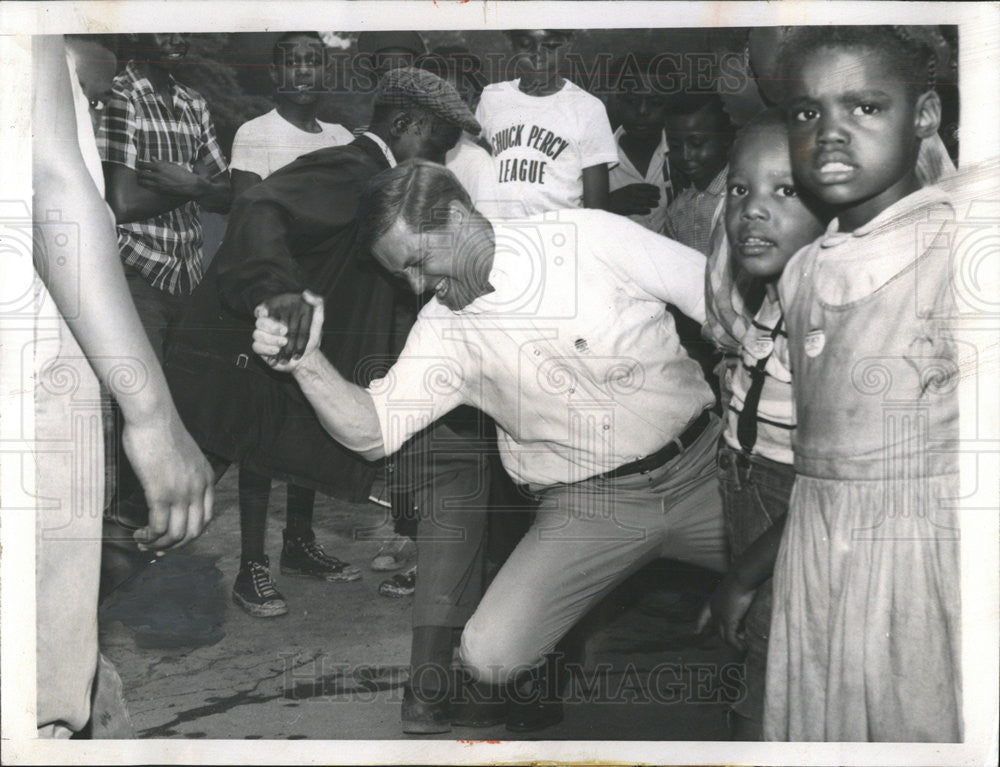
(641, 187)
(551, 140)
(290, 130)
(262, 146)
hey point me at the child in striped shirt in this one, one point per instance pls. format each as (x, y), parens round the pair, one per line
(766, 223)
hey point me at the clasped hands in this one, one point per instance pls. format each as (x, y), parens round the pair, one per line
(287, 328)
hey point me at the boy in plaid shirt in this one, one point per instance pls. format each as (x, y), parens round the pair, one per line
(162, 164)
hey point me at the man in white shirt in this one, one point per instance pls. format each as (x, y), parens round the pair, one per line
(554, 327)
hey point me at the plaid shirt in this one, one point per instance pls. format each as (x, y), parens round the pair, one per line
(690, 215)
(165, 249)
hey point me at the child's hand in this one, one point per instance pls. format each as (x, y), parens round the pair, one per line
(168, 178)
(726, 610)
(634, 199)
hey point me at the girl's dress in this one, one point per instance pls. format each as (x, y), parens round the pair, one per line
(864, 641)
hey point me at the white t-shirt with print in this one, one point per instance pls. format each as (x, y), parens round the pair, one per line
(269, 142)
(473, 167)
(541, 144)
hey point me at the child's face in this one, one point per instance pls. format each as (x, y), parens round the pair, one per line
(299, 77)
(642, 111)
(539, 52)
(95, 69)
(766, 220)
(698, 145)
(855, 131)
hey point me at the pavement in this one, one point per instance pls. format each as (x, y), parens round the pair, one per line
(194, 665)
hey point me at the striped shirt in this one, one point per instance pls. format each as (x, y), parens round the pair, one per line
(776, 410)
(690, 215)
(138, 125)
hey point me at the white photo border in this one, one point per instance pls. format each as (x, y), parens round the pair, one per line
(979, 29)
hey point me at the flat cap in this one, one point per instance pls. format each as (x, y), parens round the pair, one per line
(408, 86)
(373, 42)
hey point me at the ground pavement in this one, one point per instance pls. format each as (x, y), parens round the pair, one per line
(194, 665)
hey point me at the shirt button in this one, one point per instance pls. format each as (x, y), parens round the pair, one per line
(607, 426)
(572, 390)
(536, 352)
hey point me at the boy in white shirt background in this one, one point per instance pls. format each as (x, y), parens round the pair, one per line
(640, 184)
(290, 130)
(261, 147)
(551, 141)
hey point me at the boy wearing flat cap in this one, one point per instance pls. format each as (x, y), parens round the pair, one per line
(296, 231)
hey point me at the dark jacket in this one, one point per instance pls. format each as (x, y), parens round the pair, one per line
(293, 231)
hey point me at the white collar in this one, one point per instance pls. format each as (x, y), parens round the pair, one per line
(389, 156)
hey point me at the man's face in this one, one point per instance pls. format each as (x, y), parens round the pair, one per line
(699, 145)
(164, 50)
(299, 76)
(426, 137)
(429, 261)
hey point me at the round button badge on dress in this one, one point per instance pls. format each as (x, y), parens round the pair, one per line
(761, 347)
(814, 342)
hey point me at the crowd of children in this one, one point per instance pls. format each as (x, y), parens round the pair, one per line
(837, 375)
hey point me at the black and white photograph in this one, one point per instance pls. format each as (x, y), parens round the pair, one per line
(486, 382)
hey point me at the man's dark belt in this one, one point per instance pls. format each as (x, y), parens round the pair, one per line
(666, 453)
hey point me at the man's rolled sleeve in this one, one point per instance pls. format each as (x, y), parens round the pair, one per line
(428, 380)
(117, 139)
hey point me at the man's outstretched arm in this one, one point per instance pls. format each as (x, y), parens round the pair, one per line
(345, 410)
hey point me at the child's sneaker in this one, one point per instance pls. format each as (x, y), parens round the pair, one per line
(302, 556)
(393, 554)
(255, 592)
(400, 585)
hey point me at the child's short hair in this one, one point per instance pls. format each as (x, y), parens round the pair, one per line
(908, 49)
(281, 45)
(770, 120)
(689, 103)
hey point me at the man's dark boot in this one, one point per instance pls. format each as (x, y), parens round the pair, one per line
(535, 701)
(425, 711)
(477, 704)
(426, 708)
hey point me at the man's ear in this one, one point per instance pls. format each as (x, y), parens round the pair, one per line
(272, 70)
(400, 123)
(458, 214)
(927, 115)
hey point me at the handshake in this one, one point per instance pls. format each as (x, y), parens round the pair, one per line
(288, 328)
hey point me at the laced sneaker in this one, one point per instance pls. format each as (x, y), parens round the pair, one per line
(302, 556)
(255, 592)
(400, 585)
(393, 554)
